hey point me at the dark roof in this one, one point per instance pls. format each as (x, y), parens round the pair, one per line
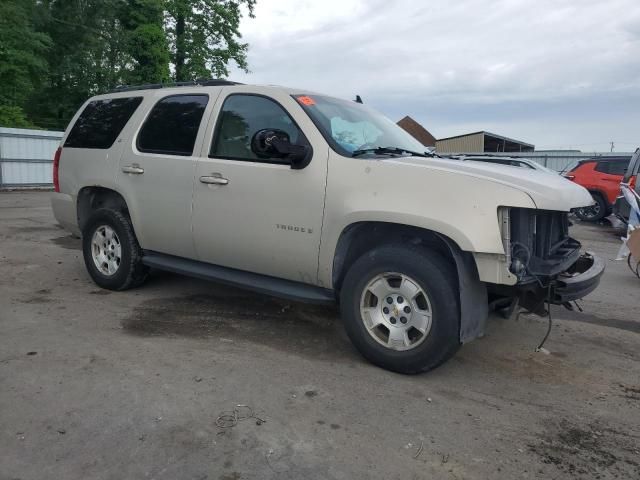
(417, 131)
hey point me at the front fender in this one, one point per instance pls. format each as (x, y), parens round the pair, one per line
(460, 207)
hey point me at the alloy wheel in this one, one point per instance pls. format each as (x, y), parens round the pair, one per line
(396, 311)
(106, 250)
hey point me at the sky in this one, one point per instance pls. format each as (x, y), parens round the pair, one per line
(561, 74)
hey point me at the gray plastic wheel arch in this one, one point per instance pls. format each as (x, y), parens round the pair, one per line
(474, 306)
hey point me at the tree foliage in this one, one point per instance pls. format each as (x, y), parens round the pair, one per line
(85, 58)
(22, 60)
(204, 36)
(54, 54)
(145, 41)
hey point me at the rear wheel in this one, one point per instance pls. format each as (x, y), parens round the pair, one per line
(400, 309)
(594, 212)
(111, 252)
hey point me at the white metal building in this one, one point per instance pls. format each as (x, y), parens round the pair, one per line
(26, 156)
(482, 141)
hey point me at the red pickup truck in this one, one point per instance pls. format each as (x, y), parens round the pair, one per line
(602, 177)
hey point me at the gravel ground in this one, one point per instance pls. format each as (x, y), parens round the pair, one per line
(103, 385)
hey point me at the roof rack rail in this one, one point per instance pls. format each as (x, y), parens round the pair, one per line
(201, 82)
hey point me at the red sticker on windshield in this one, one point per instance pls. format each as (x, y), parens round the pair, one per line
(305, 100)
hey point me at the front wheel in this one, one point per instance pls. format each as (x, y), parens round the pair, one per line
(111, 252)
(400, 309)
(594, 212)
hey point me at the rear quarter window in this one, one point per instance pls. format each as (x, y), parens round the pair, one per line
(573, 166)
(101, 122)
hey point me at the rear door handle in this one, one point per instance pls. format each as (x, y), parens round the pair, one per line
(135, 169)
(215, 179)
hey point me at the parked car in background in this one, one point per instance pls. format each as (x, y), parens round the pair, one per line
(621, 208)
(602, 177)
(509, 161)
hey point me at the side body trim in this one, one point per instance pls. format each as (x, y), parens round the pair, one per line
(265, 284)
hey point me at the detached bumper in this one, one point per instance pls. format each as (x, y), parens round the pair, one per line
(582, 278)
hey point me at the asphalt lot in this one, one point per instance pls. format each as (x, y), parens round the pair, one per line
(103, 385)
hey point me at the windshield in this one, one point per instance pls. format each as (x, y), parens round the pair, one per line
(351, 127)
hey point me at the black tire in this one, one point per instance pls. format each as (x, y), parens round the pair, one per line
(438, 280)
(131, 272)
(593, 213)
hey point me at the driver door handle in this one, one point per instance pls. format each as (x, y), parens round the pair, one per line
(214, 180)
(135, 169)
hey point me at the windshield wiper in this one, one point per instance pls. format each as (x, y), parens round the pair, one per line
(388, 151)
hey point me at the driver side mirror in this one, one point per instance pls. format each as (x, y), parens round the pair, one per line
(275, 143)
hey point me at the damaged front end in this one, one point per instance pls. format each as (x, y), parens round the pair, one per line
(548, 263)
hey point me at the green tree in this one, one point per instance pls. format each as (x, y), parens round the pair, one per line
(54, 54)
(97, 45)
(88, 56)
(146, 42)
(204, 36)
(22, 60)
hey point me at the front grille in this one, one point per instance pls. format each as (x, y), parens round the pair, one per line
(551, 233)
(540, 239)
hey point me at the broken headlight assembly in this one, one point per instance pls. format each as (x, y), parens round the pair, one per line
(537, 242)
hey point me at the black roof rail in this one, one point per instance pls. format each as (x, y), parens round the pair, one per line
(201, 82)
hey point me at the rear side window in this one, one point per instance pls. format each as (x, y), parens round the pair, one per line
(101, 122)
(618, 167)
(172, 125)
(612, 167)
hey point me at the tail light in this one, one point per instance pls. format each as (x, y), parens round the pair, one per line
(56, 167)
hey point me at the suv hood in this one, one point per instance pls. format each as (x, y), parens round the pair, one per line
(549, 191)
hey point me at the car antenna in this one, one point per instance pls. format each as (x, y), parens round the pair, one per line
(358, 99)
